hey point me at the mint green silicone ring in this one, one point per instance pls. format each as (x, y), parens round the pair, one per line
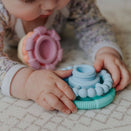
(96, 103)
(92, 90)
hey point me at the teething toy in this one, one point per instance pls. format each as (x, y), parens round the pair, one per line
(92, 90)
(40, 49)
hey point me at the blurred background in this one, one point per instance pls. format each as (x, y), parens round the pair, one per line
(117, 12)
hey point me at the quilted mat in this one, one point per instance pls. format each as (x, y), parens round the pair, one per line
(19, 115)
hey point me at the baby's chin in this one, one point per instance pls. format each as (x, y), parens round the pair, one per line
(44, 16)
(37, 18)
(28, 19)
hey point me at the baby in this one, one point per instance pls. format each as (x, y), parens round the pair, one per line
(46, 87)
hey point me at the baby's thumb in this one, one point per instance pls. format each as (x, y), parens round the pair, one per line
(63, 74)
(98, 64)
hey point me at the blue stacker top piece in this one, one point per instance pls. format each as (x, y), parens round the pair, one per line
(92, 90)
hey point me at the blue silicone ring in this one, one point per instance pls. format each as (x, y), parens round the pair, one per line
(92, 90)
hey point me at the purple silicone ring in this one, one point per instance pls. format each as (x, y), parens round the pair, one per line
(37, 51)
(45, 51)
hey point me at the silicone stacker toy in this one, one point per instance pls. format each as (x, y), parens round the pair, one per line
(40, 49)
(92, 91)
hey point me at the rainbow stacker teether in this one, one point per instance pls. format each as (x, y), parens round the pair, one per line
(92, 91)
(40, 49)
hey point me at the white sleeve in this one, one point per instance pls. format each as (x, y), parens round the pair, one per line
(5, 88)
(105, 44)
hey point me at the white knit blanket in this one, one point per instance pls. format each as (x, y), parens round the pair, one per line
(19, 115)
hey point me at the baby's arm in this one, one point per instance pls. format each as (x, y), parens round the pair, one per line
(98, 40)
(45, 87)
(8, 68)
(91, 28)
(18, 83)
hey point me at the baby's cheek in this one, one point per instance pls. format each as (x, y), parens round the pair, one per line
(23, 11)
(27, 15)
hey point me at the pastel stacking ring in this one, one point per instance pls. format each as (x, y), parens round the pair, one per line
(92, 90)
(40, 49)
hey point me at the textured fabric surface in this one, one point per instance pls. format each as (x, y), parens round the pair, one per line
(19, 115)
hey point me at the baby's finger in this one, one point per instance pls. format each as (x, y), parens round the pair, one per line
(115, 73)
(69, 104)
(63, 74)
(46, 106)
(43, 103)
(64, 87)
(98, 64)
(125, 78)
(54, 102)
(64, 99)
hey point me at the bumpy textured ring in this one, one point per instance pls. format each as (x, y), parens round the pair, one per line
(92, 90)
(40, 49)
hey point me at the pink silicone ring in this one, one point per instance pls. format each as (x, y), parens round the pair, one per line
(43, 48)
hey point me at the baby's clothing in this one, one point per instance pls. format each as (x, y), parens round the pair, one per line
(91, 29)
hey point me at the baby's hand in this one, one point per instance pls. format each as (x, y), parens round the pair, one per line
(116, 67)
(48, 90)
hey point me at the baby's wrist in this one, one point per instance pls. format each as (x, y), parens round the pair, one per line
(18, 83)
(107, 50)
(30, 84)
